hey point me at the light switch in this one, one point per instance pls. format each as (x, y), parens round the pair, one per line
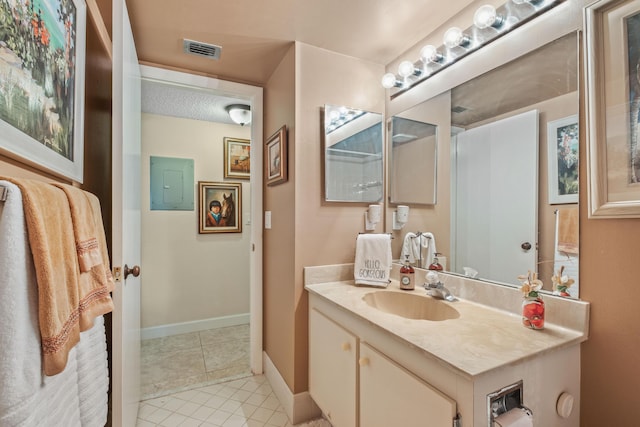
(267, 220)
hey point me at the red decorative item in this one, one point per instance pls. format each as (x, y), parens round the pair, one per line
(533, 312)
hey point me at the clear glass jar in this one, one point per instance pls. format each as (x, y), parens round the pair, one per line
(533, 312)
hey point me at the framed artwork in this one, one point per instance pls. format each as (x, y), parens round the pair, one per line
(220, 207)
(42, 48)
(562, 150)
(237, 159)
(612, 33)
(276, 157)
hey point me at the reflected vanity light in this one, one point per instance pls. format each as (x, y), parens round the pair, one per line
(489, 23)
(340, 117)
(400, 217)
(372, 217)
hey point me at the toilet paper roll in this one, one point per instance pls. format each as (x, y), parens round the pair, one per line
(517, 417)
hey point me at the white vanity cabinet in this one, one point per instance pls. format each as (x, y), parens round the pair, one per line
(332, 369)
(348, 377)
(392, 396)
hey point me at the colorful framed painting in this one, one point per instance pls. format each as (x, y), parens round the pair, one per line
(562, 150)
(42, 53)
(220, 207)
(237, 158)
(612, 58)
(276, 157)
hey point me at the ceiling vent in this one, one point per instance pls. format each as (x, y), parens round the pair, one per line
(458, 109)
(210, 51)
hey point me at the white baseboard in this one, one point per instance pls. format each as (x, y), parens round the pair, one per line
(299, 407)
(194, 326)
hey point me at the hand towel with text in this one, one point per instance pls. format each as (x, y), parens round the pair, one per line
(373, 260)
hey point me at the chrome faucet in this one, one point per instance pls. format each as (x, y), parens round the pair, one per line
(436, 289)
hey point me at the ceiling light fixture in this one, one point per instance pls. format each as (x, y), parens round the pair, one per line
(239, 113)
(489, 23)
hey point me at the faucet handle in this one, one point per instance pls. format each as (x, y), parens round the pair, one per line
(432, 277)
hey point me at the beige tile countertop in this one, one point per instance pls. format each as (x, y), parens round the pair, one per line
(482, 339)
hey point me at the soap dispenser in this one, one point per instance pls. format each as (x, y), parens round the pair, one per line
(407, 276)
(435, 265)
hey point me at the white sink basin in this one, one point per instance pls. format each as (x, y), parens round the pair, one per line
(411, 306)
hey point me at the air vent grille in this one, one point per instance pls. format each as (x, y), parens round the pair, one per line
(206, 50)
(458, 109)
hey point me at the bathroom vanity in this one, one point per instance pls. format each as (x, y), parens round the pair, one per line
(371, 363)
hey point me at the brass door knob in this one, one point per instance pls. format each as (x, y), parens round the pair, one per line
(134, 271)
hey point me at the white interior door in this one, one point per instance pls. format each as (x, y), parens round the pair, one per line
(496, 198)
(126, 220)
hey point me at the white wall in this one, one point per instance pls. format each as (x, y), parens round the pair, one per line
(188, 276)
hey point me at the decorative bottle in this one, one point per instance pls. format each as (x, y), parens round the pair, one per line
(407, 276)
(532, 303)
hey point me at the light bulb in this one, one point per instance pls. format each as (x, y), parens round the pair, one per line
(389, 80)
(486, 16)
(406, 68)
(429, 53)
(455, 37)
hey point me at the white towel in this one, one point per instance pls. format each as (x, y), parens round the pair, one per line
(419, 247)
(75, 397)
(373, 260)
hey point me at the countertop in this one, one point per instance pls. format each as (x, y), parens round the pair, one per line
(482, 339)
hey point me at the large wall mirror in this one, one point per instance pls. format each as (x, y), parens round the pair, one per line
(353, 167)
(514, 172)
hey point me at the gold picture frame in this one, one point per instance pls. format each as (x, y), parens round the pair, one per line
(237, 158)
(227, 198)
(276, 157)
(612, 58)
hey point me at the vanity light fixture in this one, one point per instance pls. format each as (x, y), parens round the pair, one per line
(372, 217)
(489, 23)
(239, 113)
(430, 54)
(400, 217)
(340, 117)
(455, 37)
(486, 16)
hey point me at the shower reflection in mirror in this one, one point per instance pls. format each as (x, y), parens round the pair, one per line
(353, 161)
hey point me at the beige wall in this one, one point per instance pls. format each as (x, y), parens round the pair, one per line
(278, 242)
(191, 276)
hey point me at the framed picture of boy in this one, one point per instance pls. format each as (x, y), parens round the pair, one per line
(220, 207)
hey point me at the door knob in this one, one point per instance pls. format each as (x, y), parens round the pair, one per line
(526, 246)
(135, 271)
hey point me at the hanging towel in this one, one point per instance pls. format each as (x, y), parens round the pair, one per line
(421, 247)
(78, 395)
(373, 260)
(68, 299)
(568, 230)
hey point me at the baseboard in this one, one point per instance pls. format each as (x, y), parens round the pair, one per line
(299, 407)
(194, 326)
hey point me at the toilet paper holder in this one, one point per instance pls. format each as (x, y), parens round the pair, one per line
(503, 400)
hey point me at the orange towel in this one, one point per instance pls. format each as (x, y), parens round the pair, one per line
(568, 240)
(68, 299)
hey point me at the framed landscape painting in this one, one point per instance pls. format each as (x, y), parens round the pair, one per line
(237, 158)
(42, 45)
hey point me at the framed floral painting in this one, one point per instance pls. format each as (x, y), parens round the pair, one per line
(562, 151)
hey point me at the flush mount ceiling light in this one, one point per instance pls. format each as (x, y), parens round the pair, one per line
(489, 24)
(239, 113)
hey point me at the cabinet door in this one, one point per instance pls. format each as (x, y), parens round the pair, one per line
(332, 369)
(392, 396)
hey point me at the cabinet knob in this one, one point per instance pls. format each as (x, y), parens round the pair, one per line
(364, 361)
(346, 346)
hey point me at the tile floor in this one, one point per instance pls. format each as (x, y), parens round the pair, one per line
(245, 402)
(180, 362)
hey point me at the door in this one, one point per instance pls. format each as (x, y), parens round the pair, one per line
(126, 221)
(496, 214)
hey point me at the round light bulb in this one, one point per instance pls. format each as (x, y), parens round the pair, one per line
(406, 68)
(429, 53)
(389, 80)
(334, 115)
(486, 16)
(454, 37)
(520, 1)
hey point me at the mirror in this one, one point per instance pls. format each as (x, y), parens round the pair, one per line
(489, 115)
(414, 147)
(353, 166)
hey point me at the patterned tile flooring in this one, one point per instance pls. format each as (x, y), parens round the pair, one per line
(245, 402)
(180, 362)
